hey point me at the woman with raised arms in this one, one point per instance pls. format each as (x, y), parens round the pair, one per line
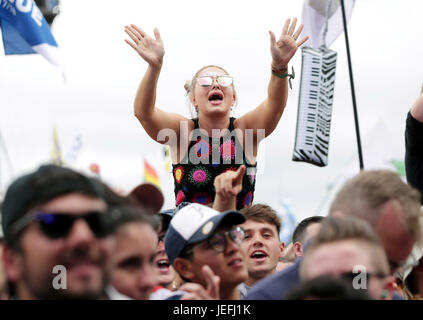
(206, 148)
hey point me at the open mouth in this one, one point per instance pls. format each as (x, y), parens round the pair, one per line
(163, 264)
(258, 255)
(216, 97)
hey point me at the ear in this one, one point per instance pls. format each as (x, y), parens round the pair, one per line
(184, 268)
(298, 249)
(12, 261)
(282, 246)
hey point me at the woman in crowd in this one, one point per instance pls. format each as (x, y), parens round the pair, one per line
(207, 148)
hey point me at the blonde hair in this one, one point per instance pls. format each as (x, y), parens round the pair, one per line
(190, 85)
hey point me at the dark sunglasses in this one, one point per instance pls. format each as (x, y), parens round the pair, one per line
(59, 225)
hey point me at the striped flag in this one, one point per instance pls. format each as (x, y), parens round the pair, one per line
(56, 153)
(314, 20)
(25, 30)
(150, 174)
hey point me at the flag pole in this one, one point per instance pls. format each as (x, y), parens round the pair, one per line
(357, 129)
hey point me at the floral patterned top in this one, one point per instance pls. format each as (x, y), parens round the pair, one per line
(207, 157)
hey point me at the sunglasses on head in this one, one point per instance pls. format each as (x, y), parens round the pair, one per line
(222, 80)
(59, 225)
(219, 241)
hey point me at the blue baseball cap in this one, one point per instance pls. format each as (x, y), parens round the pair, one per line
(195, 223)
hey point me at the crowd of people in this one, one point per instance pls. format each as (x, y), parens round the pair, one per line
(71, 236)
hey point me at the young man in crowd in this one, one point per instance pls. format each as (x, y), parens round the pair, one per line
(57, 236)
(204, 246)
(133, 271)
(169, 280)
(304, 231)
(379, 197)
(348, 248)
(261, 244)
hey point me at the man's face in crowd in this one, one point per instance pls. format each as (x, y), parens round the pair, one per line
(262, 247)
(229, 265)
(166, 273)
(340, 258)
(311, 230)
(393, 234)
(133, 271)
(82, 254)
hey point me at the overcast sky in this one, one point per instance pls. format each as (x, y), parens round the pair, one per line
(103, 73)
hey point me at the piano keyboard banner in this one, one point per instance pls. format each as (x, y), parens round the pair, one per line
(315, 106)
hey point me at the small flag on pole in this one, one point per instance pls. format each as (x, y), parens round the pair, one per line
(167, 159)
(95, 168)
(25, 30)
(56, 153)
(150, 174)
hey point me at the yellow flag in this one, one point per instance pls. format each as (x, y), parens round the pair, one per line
(56, 153)
(168, 160)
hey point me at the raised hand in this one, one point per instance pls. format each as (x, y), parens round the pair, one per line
(285, 47)
(229, 183)
(151, 50)
(198, 292)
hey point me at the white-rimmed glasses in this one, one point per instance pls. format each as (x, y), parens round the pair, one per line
(207, 80)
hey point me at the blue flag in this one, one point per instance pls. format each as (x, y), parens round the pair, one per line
(289, 222)
(25, 30)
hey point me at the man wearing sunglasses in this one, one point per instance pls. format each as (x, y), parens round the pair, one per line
(204, 246)
(56, 227)
(349, 249)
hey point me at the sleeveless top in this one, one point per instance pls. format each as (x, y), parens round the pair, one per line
(206, 158)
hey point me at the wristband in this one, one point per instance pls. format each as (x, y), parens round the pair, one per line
(284, 75)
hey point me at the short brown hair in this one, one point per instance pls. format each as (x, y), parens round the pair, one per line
(365, 195)
(263, 213)
(334, 229)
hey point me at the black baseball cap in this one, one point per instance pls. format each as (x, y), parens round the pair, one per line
(47, 182)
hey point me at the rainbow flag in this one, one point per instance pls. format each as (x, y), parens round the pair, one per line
(150, 174)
